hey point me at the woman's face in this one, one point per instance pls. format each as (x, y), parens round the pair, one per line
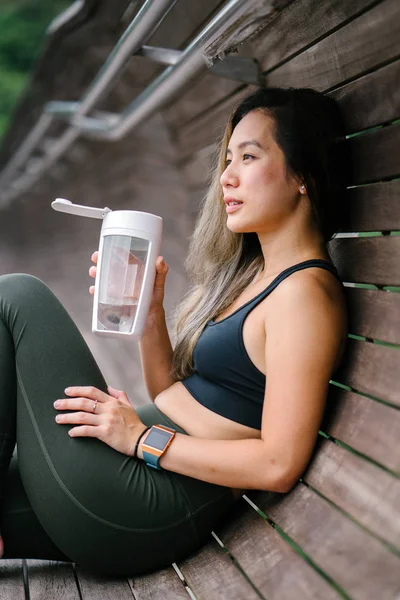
(256, 177)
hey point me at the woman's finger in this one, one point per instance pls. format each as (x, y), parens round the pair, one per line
(95, 256)
(91, 290)
(84, 431)
(92, 271)
(161, 265)
(161, 273)
(87, 391)
(81, 418)
(77, 404)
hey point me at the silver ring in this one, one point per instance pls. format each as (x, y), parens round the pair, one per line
(94, 405)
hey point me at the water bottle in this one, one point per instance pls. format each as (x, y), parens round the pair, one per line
(129, 245)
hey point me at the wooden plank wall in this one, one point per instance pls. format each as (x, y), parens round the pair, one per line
(337, 533)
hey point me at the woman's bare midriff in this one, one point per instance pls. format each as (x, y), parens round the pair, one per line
(179, 405)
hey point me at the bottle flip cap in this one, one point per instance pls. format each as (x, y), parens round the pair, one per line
(66, 206)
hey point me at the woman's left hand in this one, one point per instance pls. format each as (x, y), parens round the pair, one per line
(108, 417)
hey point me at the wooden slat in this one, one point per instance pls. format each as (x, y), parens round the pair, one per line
(374, 207)
(294, 28)
(11, 581)
(51, 579)
(251, 18)
(374, 314)
(370, 100)
(375, 155)
(371, 369)
(159, 586)
(366, 492)
(300, 25)
(366, 425)
(373, 260)
(363, 45)
(362, 565)
(211, 574)
(270, 562)
(94, 586)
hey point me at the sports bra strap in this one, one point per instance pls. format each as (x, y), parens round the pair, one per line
(314, 262)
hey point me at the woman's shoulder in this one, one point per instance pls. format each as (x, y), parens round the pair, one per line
(310, 289)
(312, 275)
(313, 296)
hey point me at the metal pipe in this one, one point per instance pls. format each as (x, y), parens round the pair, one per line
(156, 94)
(27, 179)
(23, 152)
(190, 63)
(139, 31)
(165, 56)
(65, 16)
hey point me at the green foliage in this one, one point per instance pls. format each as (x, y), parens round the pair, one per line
(23, 24)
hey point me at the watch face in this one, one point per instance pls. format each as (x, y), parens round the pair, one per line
(157, 438)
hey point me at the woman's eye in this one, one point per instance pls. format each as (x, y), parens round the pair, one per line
(245, 157)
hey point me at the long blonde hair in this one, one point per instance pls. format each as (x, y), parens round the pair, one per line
(220, 265)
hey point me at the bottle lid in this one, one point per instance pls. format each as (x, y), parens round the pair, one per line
(133, 219)
(66, 206)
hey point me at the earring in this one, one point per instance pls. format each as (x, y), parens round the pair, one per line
(302, 188)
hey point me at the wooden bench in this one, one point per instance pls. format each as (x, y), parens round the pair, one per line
(337, 534)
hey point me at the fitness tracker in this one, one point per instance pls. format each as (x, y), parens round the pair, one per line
(156, 443)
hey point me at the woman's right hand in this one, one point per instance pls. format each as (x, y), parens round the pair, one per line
(156, 304)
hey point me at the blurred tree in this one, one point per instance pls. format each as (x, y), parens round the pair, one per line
(23, 25)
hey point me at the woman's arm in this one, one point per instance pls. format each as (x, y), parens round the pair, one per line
(304, 334)
(240, 464)
(156, 355)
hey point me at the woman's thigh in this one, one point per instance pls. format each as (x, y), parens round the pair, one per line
(104, 510)
(111, 513)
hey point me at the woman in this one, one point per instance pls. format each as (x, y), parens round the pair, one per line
(89, 493)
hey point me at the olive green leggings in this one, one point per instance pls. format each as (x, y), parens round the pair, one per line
(77, 499)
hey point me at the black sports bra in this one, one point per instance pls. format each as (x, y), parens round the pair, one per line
(225, 379)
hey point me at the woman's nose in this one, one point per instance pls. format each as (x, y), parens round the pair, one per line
(229, 177)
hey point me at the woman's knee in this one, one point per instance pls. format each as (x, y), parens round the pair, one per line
(22, 291)
(20, 279)
(13, 284)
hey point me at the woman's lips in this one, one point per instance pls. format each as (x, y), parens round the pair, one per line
(230, 208)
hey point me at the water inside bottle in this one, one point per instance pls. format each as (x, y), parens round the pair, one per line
(118, 317)
(121, 280)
